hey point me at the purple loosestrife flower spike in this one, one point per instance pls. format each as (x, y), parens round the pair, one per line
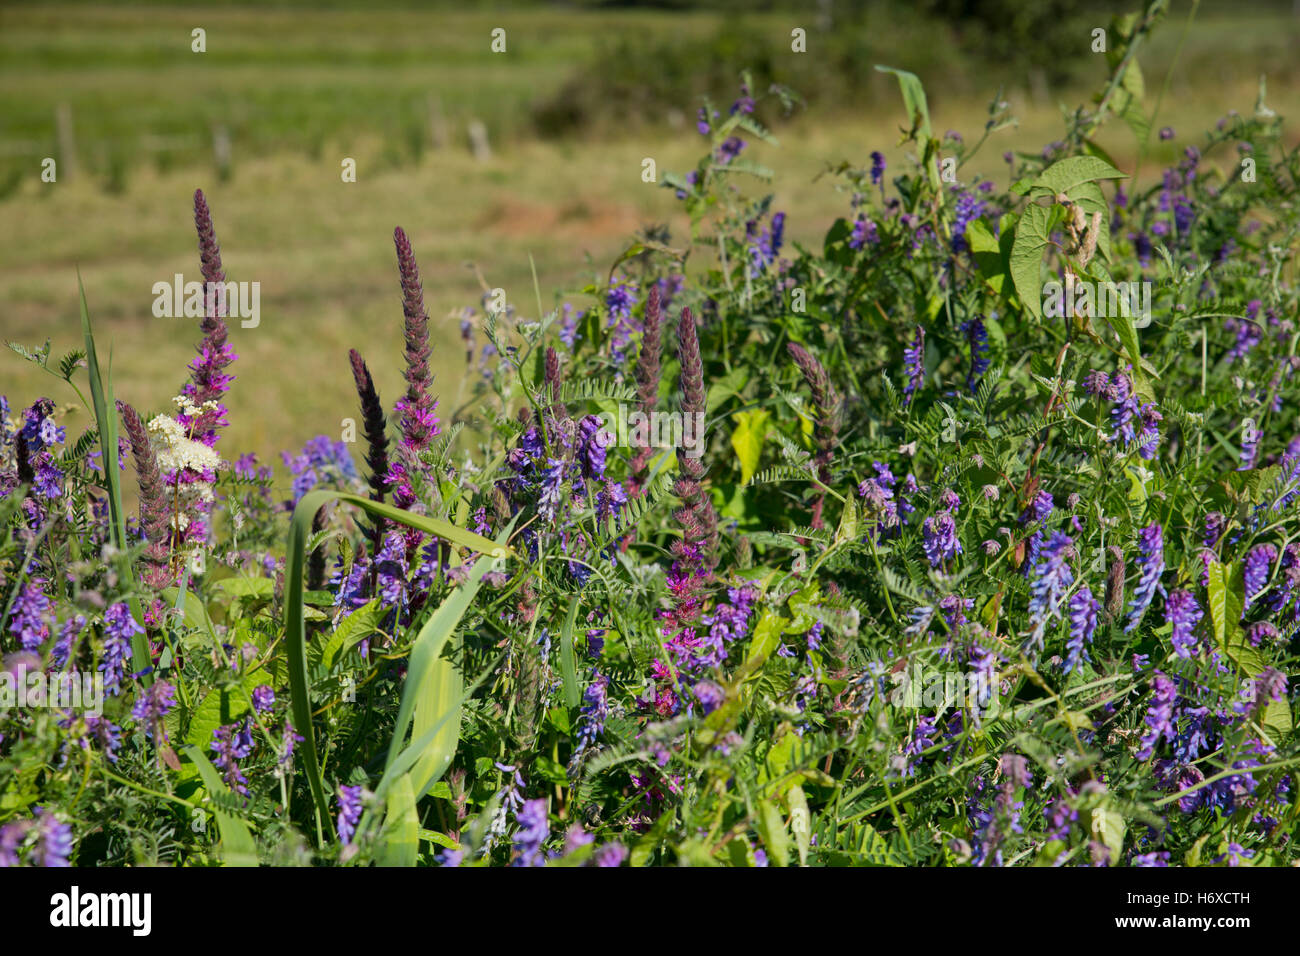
(31, 615)
(610, 855)
(696, 516)
(209, 380)
(416, 408)
(151, 706)
(154, 519)
(232, 743)
(376, 428)
(1151, 564)
(646, 374)
(826, 430)
(65, 647)
(977, 337)
(12, 835)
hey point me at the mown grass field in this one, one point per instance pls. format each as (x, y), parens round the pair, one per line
(301, 89)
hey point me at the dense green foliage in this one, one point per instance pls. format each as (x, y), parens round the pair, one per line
(949, 578)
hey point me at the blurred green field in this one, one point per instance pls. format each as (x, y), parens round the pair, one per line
(301, 89)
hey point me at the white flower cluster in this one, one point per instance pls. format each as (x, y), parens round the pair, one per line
(176, 452)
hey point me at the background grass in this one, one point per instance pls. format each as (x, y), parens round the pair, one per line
(299, 88)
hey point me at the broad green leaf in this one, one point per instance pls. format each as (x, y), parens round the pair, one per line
(1277, 719)
(747, 439)
(1032, 238)
(242, 587)
(1064, 176)
(1226, 595)
(766, 639)
(220, 706)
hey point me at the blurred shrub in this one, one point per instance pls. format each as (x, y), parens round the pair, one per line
(639, 81)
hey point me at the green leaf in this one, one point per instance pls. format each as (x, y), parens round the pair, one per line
(439, 839)
(800, 821)
(766, 639)
(728, 386)
(400, 838)
(352, 630)
(1226, 592)
(875, 848)
(101, 394)
(431, 695)
(771, 827)
(747, 439)
(918, 112)
(241, 587)
(237, 845)
(987, 252)
(568, 668)
(1032, 237)
(1277, 719)
(1108, 827)
(1073, 171)
(847, 530)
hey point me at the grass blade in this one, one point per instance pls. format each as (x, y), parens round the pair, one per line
(101, 393)
(401, 835)
(237, 845)
(568, 669)
(296, 624)
(432, 688)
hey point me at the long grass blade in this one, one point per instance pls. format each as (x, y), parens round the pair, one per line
(296, 624)
(101, 393)
(400, 840)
